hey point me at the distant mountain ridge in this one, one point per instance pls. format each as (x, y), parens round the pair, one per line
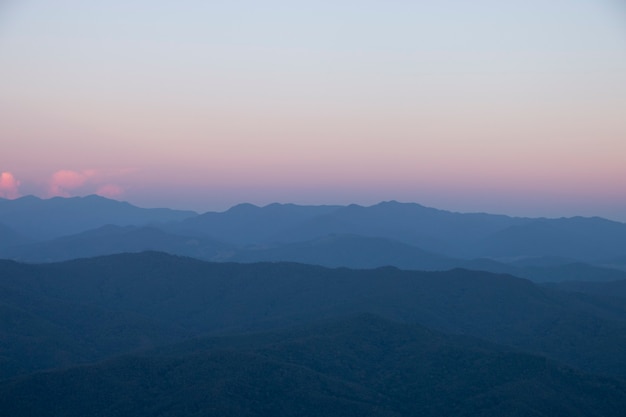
(464, 235)
(406, 235)
(331, 251)
(249, 224)
(112, 239)
(40, 219)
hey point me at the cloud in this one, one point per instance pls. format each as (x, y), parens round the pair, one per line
(9, 186)
(63, 182)
(110, 191)
(67, 183)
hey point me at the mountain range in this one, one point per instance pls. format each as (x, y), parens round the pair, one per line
(156, 334)
(157, 297)
(37, 219)
(391, 310)
(405, 235)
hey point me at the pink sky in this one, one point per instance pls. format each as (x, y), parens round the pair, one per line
(205, 105)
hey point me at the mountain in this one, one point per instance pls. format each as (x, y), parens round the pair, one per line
(362, 366)
(570, 272)
(9, 237)
(436, 230)
(249, 224)
(41, 219)
(433, 230)
(587, 239)
(195, 298)
(350, 251)
(361, 252)
(111, 239)
(406, 235)
(607, 289)
(40, 331)
(455, 235)
(617, 263)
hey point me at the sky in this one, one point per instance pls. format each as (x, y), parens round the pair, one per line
(514, 107)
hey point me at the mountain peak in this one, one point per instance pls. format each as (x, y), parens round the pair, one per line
(243, 208)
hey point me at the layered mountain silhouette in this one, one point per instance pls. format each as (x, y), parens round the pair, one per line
(113, 304)
(249, 224)
(9, 237)
(126, 334)
(605, 288)
(578, 237)
(439, 232)
(390, 310)
(354, 251)
(111, 239)
(40, 219)
(408, 236)
(432, 229)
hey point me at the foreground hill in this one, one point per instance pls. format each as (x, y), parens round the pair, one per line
(364, 366)
(176, 297)
(40, 331)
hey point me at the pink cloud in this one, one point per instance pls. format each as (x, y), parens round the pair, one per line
(105, 182)
(9, 186)
(65, 181)
(110, 191)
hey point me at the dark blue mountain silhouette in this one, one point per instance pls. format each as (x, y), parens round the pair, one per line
(55, 217)
(401, 234)
(358, 366)
(90, 308)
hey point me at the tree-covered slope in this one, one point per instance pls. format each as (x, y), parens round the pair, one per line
(197, 298)
(363, 366)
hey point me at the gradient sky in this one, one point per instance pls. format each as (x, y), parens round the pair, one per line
(515, 107)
